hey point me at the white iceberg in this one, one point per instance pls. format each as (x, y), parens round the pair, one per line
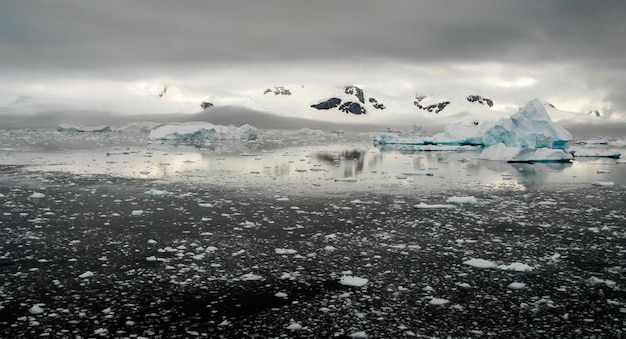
(202, 132)
(531, 127)
(501, 152)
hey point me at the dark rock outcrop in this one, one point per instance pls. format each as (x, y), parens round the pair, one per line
(206, 104)
(352, 107)
(279, 90)
(480, 100)
(438, 107)
(327, 104)
(376, 104)
(353, 90)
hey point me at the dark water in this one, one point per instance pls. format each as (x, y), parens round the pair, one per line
(201, 244)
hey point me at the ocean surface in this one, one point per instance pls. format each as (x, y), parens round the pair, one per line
(304, 234)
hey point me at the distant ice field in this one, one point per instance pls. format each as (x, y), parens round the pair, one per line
(298, 162)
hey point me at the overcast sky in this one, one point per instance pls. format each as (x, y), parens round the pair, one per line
(114, 56)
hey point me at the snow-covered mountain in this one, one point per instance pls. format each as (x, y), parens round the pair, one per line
(356, 103)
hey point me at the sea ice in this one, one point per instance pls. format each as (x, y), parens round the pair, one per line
(516, 267)
(594, 153)
(37, 195)
(480, 263)
(348, 280)
(438, 301)
(35, 309)
(423, 206)
(516, 286)
(469, 200)
(86, 275)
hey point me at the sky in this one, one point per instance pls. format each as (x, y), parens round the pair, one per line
(114, 57)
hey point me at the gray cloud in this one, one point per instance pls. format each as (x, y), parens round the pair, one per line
(70, 34)
(127, 40)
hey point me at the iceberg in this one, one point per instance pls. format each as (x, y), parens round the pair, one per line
(530, 127)
(65, 128)
(202, 132)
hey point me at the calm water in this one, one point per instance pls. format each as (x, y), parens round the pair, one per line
(336, 165)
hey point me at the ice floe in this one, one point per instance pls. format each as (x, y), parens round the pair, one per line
(480, 263)
(349, 280)
(201, 132)
(425, 206)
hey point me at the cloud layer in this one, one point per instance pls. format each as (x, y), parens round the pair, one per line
(107, 54)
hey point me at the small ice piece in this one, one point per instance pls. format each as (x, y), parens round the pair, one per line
(349, 280)
(469, 200)
(136, 212)
(347, 179)
(156, 193)
(603, 183)
(601, 171)
(251, 277)
(516, 286)
(285, 251)
(36, 309)
(480, 263)
(294, 327)
(359, 334)
(37, 195)
(516, 267)
(86, 275)
(151, 258)
(425, 206)
(438, 301)
(152, 241)
(416, 173)
(280, 295)
(240, 252)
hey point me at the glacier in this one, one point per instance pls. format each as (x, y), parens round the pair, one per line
(530, 127)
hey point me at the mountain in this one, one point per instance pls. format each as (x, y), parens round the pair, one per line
(351, 103)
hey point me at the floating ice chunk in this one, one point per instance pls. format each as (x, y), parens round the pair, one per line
(240, 252)
(101, 331)
(280, 295)
(294, 327)
(480, 263)
(594, 153)
(157, 193)
(152, 241)
(359, 334)
(37, 195)
(36, 309)
(347, 179)
(516, 286)
(438, 301)
(501, 152)
(469, 200)
(516, 267)
(151, 258)
(251, 277)
(136, 212)
(86, 275)
(603, 183)
(417, 173)
(348, 280)
(285, 251)
(423, 205)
